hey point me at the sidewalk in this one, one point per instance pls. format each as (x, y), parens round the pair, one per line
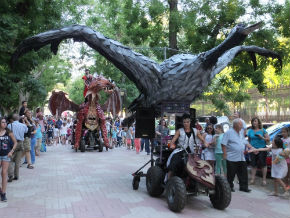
(66, 184)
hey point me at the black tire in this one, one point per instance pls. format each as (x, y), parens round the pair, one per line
(135, 182)
(221, 199)
(83, 145)
(154, 180)
(101, 146)
(176, 194)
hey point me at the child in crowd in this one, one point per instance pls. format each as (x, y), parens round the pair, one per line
(49, 134)
(137, 142)
(38, 136)
(56, 134)
(221, 164)
(128, 137)
(286, 144)
(279, 167)
(119, 136)
(123, 134)
(114, 136)
(63, 132)
(69, 134)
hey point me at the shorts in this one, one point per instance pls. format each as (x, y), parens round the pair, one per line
(5, 158)
(128, 141)
(259, 160)
(26, 144)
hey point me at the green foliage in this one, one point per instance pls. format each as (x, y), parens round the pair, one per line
(75, 90)
(20, 19)
(199, 24)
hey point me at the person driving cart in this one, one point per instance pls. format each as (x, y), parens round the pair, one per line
(188, 139)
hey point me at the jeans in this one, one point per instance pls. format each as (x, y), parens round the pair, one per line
(146, 143)
(32, 151)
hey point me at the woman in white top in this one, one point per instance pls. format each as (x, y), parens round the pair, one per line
(188, 138)
(208, 152)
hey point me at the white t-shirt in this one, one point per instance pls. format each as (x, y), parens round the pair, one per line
(63, 130)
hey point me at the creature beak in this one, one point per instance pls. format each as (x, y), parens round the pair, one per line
(88, 93)
(252, 28)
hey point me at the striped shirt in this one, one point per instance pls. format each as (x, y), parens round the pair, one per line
(18, 130)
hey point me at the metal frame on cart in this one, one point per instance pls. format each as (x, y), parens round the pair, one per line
(168, 107)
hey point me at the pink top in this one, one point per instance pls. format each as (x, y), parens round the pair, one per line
(39, 115)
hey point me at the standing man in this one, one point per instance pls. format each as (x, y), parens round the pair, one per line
(87, 79)
(23, 108)
(27, 120)
(244, 128)
(233, 146)
(18, 129)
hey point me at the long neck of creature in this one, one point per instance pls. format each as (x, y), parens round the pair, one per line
(231, 41)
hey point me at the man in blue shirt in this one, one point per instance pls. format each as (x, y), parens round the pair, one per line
(58, 123)
(18, 129)
(233, 145)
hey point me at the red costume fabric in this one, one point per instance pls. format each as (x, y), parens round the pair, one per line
(87, 80)
(82, 115)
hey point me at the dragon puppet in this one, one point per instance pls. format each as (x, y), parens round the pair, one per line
(90, 115)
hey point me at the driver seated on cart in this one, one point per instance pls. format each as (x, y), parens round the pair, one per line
(187, 141)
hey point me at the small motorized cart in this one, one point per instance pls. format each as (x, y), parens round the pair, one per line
(196, 178)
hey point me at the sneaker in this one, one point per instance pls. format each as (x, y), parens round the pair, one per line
(3, 197)
(273, 194)
(285, 194)
(10, 179)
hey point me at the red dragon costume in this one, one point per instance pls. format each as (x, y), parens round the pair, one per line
(90, 115)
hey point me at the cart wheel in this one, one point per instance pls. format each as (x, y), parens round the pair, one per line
(83, 145)
(135, 182)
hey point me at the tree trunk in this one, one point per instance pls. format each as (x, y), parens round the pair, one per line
(173, 26)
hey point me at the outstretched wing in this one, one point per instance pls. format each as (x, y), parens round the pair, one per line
(228, 56)
(114, 103)
(59, 103)
(144, 72)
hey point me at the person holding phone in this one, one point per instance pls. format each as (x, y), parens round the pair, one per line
(258, 138)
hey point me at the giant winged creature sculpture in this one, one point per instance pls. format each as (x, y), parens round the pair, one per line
(182, 77)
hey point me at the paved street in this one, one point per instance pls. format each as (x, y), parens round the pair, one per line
(65, 184)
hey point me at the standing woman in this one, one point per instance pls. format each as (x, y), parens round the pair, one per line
(161, 131)
(209, 151)
(258, 138)
(8, 144)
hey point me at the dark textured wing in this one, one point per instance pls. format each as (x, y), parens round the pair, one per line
(114, 103)
(228, 56)
(144, 72)
(59, 103)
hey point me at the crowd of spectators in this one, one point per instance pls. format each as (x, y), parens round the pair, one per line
(23, 136)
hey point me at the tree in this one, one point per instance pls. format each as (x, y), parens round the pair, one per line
(18, 20)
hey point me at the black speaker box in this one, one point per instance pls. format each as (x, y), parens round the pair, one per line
(192, 117)
(145, 123)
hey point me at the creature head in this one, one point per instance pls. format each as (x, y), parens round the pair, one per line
(100, 83)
